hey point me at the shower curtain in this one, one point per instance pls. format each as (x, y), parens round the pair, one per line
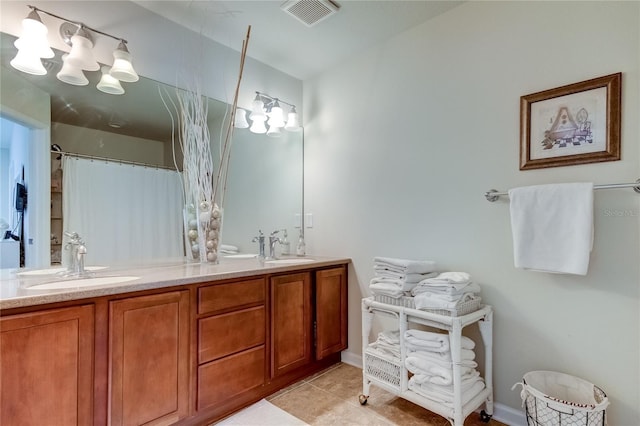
(124, 213)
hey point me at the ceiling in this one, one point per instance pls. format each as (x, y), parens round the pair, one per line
(286, 44)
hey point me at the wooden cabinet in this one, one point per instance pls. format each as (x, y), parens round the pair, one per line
(149, 359)
(331, 311)
(46, 367)
(232, 329)
(291, 322)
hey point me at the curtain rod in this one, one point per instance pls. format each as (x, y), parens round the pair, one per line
(112, 160)
(492, 195)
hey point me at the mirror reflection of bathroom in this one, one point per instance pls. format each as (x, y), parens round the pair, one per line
(134, 131)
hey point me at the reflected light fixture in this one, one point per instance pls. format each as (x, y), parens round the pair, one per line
(71, 74)
(108, 83)
(33, 45)
(267, 107)
(241, 119)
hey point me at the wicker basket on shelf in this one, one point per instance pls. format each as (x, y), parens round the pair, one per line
(464, 308)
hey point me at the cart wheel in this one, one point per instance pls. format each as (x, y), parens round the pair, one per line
(484, 416)
(363, 399)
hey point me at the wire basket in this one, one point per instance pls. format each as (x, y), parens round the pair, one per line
(464, 308)
(382, 368)
(558, 399)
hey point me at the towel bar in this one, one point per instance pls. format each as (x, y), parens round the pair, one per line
(493, 194)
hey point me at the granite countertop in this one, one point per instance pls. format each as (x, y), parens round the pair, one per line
(15, 291)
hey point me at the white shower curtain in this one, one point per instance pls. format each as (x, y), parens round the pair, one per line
(124, 213)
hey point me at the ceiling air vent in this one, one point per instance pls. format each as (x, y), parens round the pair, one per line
(310, 12)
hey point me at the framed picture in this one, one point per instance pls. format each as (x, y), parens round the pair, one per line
(574, 124)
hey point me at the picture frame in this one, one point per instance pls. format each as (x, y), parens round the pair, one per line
(574, 124)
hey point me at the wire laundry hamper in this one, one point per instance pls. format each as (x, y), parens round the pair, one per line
(557, 399)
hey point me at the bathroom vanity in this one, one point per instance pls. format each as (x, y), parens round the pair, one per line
(183, 344)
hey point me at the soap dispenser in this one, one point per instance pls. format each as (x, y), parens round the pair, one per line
(286, 245)
(301, 248)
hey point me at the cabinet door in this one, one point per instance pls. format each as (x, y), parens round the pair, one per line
(331, 311)
(46, 367)
(149, 359)
(291, 329)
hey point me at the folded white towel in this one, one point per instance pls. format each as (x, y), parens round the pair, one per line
(450, 278)
(386, 348)
(387, 289)
(437, 301)
(441, 359)
(427, 340)
(405, 265)
(228, 248)
(410, 278)
(403, 285)
(552, 227)
(384, 352)
(391, 337)
(444, 394)
(445, 377)
(448, 289)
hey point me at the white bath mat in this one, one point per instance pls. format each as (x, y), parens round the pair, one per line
(262, 413)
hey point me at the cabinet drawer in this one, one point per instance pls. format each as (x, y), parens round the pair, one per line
(220, 297)
(225, 334)
(225, 378)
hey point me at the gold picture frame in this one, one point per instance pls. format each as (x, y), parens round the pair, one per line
(574, 124)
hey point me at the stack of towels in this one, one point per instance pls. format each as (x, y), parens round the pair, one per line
(228, 249)
(448, 290)
(429, 359)
(397, 277)
(387, 344)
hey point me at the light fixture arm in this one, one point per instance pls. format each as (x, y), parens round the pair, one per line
(271, 99)
(77, 23)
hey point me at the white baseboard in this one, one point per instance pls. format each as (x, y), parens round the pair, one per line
(501, 412)
(508, 415)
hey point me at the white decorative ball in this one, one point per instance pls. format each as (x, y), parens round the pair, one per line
(205, 206)
(195, 248)
(205, 216)
(212, 256)
(211, 244)
(193, 224)
(215, 224)
(216, 213)
(193, 234)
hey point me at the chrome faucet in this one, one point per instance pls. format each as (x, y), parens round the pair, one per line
(78, 250)
(260, 240)
(272, 244)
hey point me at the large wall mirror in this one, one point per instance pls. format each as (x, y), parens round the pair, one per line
(265, 182)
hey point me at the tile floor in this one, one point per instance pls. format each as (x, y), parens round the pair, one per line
(331, 398)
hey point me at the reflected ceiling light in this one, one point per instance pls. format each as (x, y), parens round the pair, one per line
(240, 121)
(71, 74)
(293, 125)
(33, 45)
(258, 127)
(122, 68)
(108, 83)
(28, 62)
(275, 115)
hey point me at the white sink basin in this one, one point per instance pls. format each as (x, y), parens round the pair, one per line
(52, 271)
(82, 282)
(292, 261)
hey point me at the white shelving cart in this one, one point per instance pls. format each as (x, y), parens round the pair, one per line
(391, 374)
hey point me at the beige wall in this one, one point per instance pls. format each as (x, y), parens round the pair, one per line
(403, 140)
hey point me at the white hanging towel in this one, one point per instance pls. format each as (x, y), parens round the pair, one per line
(552, 227)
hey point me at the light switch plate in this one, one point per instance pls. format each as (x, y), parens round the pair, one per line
(297, 220)
(308, 220)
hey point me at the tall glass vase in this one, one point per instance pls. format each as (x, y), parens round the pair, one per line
(202, 229)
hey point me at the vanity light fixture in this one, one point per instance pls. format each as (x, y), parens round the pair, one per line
(241, 119)
(267, 107)
(33, 46)
(108, 83)
(71, 74)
